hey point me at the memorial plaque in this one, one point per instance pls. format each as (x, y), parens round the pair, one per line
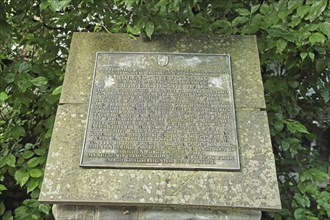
(161, 110)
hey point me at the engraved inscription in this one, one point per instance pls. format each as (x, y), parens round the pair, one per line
(154, 110)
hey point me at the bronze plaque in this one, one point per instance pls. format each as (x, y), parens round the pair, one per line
(161, 111)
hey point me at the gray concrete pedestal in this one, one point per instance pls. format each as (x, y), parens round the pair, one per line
(76, 212)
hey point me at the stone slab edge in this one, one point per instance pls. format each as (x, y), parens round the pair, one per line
(73, 212)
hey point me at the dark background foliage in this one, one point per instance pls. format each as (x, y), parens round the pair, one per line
(293, 40)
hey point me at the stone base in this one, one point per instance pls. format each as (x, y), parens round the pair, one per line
(76, 212)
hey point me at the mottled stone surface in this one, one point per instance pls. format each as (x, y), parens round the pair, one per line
(243, 50)
(254, 186)
(73, 212)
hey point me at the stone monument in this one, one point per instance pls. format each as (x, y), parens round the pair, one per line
(172, 128)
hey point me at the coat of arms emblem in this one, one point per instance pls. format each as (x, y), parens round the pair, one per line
(163, 60)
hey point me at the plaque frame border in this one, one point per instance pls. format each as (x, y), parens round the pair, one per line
(232, 96)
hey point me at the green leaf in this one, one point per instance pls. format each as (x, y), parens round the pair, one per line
(239, 20)
(311, 55)
(3, 96)
(302, 10)
(293, 4)
(276, 32)
(280, 45)
(316, 38)
(57, 90)
(32, 184)
(27, 154)
(303, 201)
(279, 126)
(222, 24)
(24, 67)
(20, 162)
(43, 5)
(285, 145)
(161, 5)
(198, 21)
(314, 174)
(28, 146)
(243, 11)
(325, 28)
(307, 175)
(295, 126)
(320, 175)
(270, 20)
(39, 81)
(129, 3)
(325, 194)
(21, 176)
(34, 217)
(7, 215)
(21, 212)
(295, 20)
(312, 217)
(313, 27)
(324, 201)
(42, 159)
(325, 96)
(254, 8)
(23, 81)
(253, 26)
(35, 194)
(303, 55)
(33, 162)
(264, 8)
(63, 3)
(149, 29)
(11, 160)
(36, 172)
(2, 208)
(2, 161)
(53, 5)
(294, 84)
(308, 187)
(133, 30)
(9, 78)
(2, 187)
(17, 132)
(56, 5)
(44, 208)
(40, 151)
(300, 214)
(316, 10)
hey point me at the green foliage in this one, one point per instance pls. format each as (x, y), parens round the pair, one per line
(293, 40)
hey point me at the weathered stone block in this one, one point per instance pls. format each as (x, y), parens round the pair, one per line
(254, 186)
